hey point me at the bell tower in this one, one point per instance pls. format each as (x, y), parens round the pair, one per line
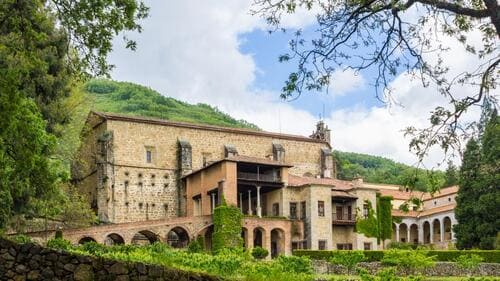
(322, 132)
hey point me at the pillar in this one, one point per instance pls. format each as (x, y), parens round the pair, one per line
(212, 195)
(259, 210)
(249, 202)
(241, 202)
(431, 228)
(397, 232)
(441, 233)
(266, 244)
(420, 230)
(249, 241)
(408, 232)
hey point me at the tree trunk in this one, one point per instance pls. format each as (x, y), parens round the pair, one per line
(494, 10)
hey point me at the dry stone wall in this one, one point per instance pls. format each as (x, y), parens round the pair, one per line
(33, 262)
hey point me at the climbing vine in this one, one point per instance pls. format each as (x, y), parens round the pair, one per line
(227, 228)
(377, 224)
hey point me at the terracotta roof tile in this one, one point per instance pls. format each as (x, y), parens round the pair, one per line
(402, 195)
(427, 212)
(443, 192)
(335, 183)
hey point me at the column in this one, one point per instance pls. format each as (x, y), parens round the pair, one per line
(249, 202)
(249, 242)
(212, 196)
(241, 202)
(420, 233)
(431, 228)
(408, 232)
(259, 211)
(397, 232)
(266, 244)
(441, 233)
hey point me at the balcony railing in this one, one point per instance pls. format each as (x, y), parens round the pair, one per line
(258, 177)
(344, 218)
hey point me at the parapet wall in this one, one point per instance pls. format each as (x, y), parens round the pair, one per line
(33, 262)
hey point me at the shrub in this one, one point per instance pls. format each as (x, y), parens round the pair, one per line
(59, 243)
(469, 262)
(408, 260)
(196, 246)
(259, 253)
(402, 246)
(294, 264)
(349, 259)
(22, 239)
(94, 248)
(227, 227)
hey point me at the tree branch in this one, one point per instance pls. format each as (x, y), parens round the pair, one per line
(455, 8)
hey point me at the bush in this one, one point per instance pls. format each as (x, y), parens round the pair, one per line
(408, 260)
(196, 246)
(402, 246)
(59, 243)
(469, 262)
(259, 253)
(22, 239)
(294, 264)
(349, 259)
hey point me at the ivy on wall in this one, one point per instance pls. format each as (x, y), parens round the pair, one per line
(227, 228)
(377, 224)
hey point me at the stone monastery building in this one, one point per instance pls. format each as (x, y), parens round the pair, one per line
(151, 180)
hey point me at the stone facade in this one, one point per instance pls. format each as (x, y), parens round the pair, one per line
(32, 262)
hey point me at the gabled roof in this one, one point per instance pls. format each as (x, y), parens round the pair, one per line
(162, 122)
(424, 213)
(442, 192)
(334, 183)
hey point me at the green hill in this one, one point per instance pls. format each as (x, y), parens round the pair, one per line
(377, 169)
(133, 99)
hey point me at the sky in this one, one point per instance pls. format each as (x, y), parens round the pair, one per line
(216, 52)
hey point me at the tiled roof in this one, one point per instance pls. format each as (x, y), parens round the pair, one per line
(256, 160)
(443, 192)
(427, 212)
(162, 122)
(343, 194)
(335, 183)
(402, 195)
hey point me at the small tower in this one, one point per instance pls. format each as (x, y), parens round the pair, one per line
(322, 132)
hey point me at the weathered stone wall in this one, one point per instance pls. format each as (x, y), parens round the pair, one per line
(440, 269)
(33, 262)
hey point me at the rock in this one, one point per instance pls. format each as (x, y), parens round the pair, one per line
(51, 257)
(33, 264)
(69, 267)
(8, 257)
(83, 272)
(122, 278)
(141, 268)
(155, 271)
(12, 252)
(47, 273)
(33, 275)
(19, 278)
(35, 250)
(21, 268)
(118, 269)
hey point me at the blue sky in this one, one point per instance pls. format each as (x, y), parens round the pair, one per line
(215, 52)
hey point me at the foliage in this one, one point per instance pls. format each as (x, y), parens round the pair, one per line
(469, 261)
(387, 274)
(377, 224)
(59, 243)
(227, 228)
(349, 259)
(451, 175)
(22, 239)
(259, 253)
(408, 260)
(401, 245)
(294, 264)
(133, 99)
(479, 196)
(196, 246)
(390, 38)
(376, 169)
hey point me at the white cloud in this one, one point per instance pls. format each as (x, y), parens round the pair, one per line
(190, 50)
(344, 81)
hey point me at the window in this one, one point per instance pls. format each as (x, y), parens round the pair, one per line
(367, 246)
(149, 156)
(293, 210)
(344, 246)
(415, 208)
(276, 209)
(449, 199)
(321, 208)
(365, 211)
(322, 244)
(303, 210)
(435, 202)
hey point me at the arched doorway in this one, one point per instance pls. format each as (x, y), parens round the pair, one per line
(258, 237)
(427, 232)
(447, 229)
(403, 233)
(86, 239)
(114, 239)
(436, 227)
(413, 234)
(144, 237)
(178, 237)
(277, 242)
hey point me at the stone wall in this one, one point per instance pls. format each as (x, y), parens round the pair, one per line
(440, 269)
(33, 262)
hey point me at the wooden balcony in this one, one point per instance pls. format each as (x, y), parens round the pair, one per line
(258, 177)
(343, 219)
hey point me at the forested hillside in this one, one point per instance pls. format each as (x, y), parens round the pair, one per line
(377, 169)
(133, 99)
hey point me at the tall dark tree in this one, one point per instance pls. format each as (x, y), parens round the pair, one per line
(451, 175)
(479, 194)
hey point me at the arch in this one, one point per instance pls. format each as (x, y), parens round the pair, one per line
(427, 232)
(114, 239)
(447, 229)
(258, 237)
(178, 237)
(145, 237)
(277, 242)
(86, 239)
(413, 234)
(207, 232)
(403, 232)
(436, 228)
